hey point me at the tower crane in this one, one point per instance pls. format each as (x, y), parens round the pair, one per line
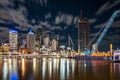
(108, 25)
(70, 42)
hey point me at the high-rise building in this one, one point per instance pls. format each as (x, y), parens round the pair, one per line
(83, 34)
(13, 39)
(46, 42)
(24, 43)
(39, 37)
(31, 40)
(54, 45)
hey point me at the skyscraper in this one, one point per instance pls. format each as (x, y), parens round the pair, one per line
(83, 34)
(54, 45)
(46, 42)
(31, 40)
(24, 43)
(13, 39)
(39, 37)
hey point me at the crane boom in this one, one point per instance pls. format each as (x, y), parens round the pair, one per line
(105, 29)
(70, 42)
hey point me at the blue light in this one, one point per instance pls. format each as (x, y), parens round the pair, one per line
(14, 76)
(30, 32)
(13, 31)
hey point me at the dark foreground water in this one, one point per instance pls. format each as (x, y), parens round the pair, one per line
(58, 69)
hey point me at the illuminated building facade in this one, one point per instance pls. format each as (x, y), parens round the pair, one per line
(24, 43)
(31, 40)
(83, 34)
(37, 47)
(13, 39)
(39, 37)
(46, 42)
(54, 45)
(4, 48)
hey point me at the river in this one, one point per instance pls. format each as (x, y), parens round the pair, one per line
(58, 69)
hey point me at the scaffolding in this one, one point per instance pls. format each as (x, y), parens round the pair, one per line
(83, 34)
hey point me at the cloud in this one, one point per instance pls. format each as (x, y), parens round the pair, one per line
(6, 2)
(116, 24)
(58, 19)
(5, 15)
(102, 9)
(56, 28)
(92, 20)
(65, 27)
(2, 21)
(75, 20)
(107, 6)
(43, 3)
(18, 16)
(3, 28)
(116, 2)
(62, 37)
(35, 27)
(4, 34)
(33, 21)
(93, 34)
(100, 25)
(45, 24)
(48, 15)
(21, 28)
(114, 37)
(67, 19)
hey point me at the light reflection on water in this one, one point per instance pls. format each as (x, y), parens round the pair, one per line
(58, 69)
(23, 67)
(44, 68)
(10, 69)
(5, 71)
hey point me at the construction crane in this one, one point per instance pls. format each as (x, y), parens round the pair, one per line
(70, 42)
(108, 25)
(96, 35)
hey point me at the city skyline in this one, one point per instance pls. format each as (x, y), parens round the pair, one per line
(59, 17)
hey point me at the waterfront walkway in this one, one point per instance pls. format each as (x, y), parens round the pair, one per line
(18, 56)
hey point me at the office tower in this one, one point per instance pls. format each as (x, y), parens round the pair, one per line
(39, 37)
(54, 45)
(31, 40)
(83, 34)
(24, 43)
(13, 39)
(46, 42)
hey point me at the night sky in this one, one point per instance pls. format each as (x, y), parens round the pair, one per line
(60, 17)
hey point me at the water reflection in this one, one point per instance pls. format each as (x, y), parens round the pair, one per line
(23, 67)
(62, 69)
(34, 65)
(58, 69)
(50, 67)
(5, 71)
(13, 69)
(10, 69)
(44, 68)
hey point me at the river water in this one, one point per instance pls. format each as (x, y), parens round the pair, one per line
(58, 69)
